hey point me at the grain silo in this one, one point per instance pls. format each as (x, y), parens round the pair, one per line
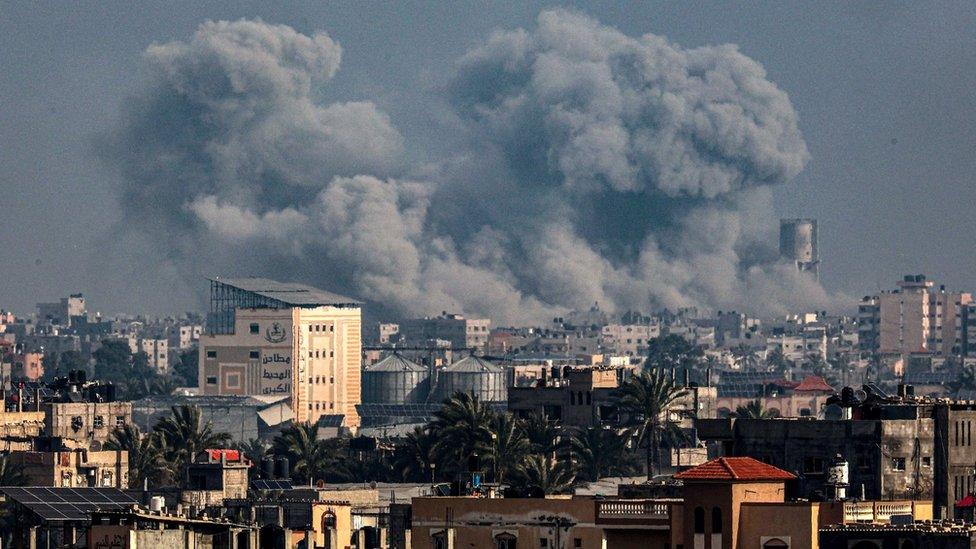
(485, 380)
(395, 380)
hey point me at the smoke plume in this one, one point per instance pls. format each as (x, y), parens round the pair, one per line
(589, 166)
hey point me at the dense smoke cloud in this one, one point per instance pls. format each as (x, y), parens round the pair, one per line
(590, 167)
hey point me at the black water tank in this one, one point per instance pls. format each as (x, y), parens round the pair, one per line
(281, 468)
(267, 468)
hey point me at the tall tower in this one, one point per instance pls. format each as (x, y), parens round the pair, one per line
(798, 243)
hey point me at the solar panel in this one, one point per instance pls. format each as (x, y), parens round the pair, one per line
(68, 504)
(270, 484)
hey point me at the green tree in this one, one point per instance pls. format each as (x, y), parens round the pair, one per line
(541, 473)
(113, 360)
(187, 367)
(753, 410)
(184, 434)
(414, 456)
(309, 457)
(600, 452)
(645, 399)
(673, 352)
(542, 433)
(462, 428)
(967, 377)
(776, 361)
(146, 462)
(508, 446)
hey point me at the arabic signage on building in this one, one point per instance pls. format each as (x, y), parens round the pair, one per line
(276, 372)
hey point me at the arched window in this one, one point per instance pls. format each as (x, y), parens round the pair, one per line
(572, 398)
(579, 397)
(776, 543)
(716, 520)
(589, 398)
(505, 541)
(699, 520)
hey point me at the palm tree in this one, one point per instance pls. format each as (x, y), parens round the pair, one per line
(967, 377)
(508, 445)
(309, 457)
(753, 410)
(540, 473)
(415, 455)
(184, 434)
(645, 399)
(600, 452)
(145, 460)
(254, 450)
(461, 429)
(542, 433)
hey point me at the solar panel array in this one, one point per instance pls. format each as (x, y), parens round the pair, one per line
(264, 484)
(68, 504)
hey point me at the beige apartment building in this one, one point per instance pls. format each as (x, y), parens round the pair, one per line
(917, 318)
(271, 338)
(629, 339)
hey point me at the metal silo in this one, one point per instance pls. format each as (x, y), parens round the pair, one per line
(395, 380)
(485, 380)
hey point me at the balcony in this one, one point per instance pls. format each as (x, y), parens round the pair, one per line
(876, 511)
(644, 512)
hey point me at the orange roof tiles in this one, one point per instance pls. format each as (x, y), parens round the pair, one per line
(814, 383)
(735, 468)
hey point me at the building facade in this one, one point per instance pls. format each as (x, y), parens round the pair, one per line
(460, 332)
(270, 338)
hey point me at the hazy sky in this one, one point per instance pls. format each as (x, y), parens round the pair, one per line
(884, 91)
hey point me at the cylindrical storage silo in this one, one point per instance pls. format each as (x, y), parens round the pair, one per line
(474, 375)
(395, 380)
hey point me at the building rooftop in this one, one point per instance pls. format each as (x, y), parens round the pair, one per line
(735, 468)
(814, 383)
(291, 294)
(395, 363)
(473, 364)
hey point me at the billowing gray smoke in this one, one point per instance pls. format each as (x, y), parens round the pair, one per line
(590, 167)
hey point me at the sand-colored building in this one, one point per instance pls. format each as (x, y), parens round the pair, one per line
(271, 338)
(73, 469)
(727, 503)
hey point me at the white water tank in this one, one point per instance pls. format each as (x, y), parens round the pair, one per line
(156, 504)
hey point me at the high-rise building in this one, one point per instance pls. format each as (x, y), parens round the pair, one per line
(914, 318)
(798, 242)
(271, 338)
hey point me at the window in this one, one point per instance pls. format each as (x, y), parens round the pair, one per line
(588, 398)
(331, 328)
(310, 327)
(543, 542)
(331, 354)
(211, 354)
(572, 398)
(440, 540)
(331, 380)
(898, 464)
(577, 542)
(77, 423)
(99, 422)
(318, 328)
(255, 329)
(505, 541)
(254, 354)
(716, 520)
(119, 421)
(813, 465)
(926, 461)
(211, 380)
(699, 520)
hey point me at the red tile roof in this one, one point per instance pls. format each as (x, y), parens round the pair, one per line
(814, 383)
(733, 469)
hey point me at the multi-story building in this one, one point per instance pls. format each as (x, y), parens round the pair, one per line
(460, 332)
(156, 350)
(84, 425)
(185, 336)
(969, 329)
(809, 345)
(629, 339)
(73, 469)
(60, 313)
(271, 338)
(914, 318)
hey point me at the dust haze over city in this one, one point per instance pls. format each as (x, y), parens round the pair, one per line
(510, 251)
